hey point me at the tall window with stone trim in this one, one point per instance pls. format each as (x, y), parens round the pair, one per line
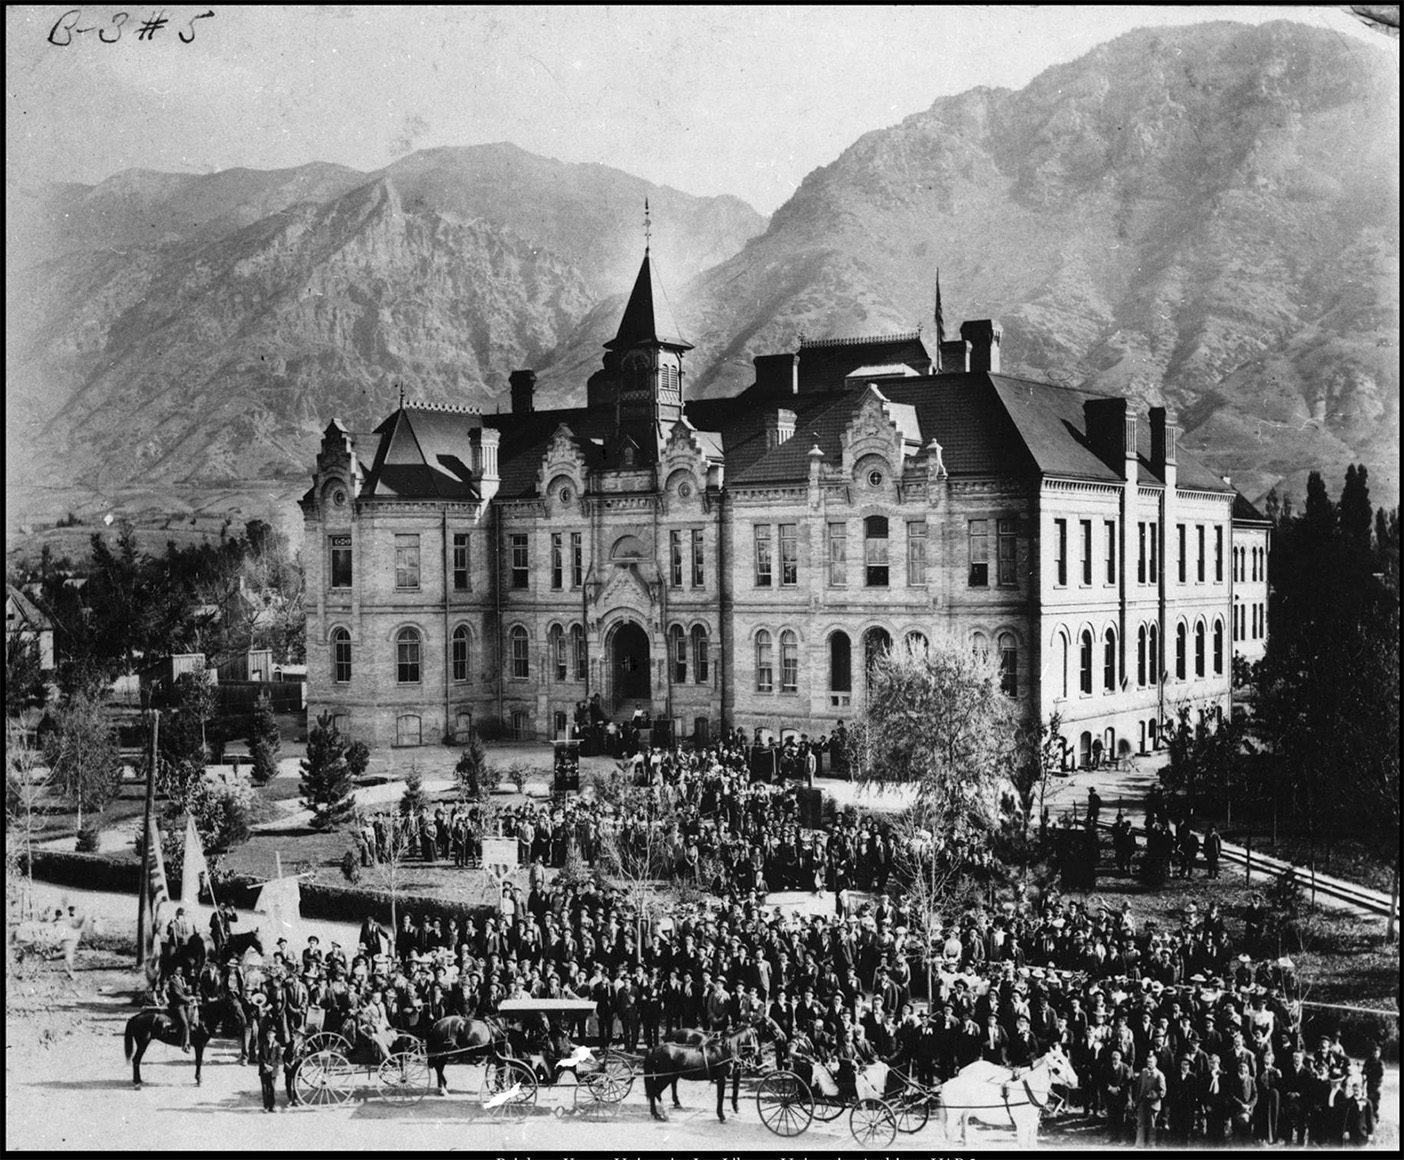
(407, 656)
(1181, 652)
(1060, 550)
(765, 566)
(789, 555)
(677, 645)
(1086, 529)
(577, 651)
(577, 559)
(1008, 664)
(1141, 555)
(1154, 568)
(1109, 662)
(979, 553)
(1199, 556)
(916, 553)
(406, 561)
(1085, 658)
(1109, 531)
(557, 560)
(521, 560)
(521, 652)
(341, 561)
(840, 663)
(875, 558)
(1218, 555)
(462, 574)
(1006, 558)
(1141, 656)
(1199, 649)
(699, 566)
(1153, 654)
(765, 663)
(789, 662)
(675, 558)
(838, 554)
(556, 641)
(459, 645)
(1218, 648)
(341, 656)
(700, 659)
(1184, 552)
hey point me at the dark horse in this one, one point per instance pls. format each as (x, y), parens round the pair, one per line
(236, 944)
(151, 1024)
(456, 1037)
(188, 957)
(714, 1059)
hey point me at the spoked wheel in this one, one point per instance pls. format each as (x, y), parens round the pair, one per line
(784, 1103)
(828, 1108)
(404, 1077)
(325, 1079)
(873, 1124)
(325, 1041)
(912, 1113)
(612, 1082)
(509, 1089)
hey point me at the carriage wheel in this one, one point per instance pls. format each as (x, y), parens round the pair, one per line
(325, 1079)
(509, 1075)
(325, 1041)
(404, 1077)
(912, 1113)
(873, 1125)
(612, 1082)
(784, 1103)
(828, 1108)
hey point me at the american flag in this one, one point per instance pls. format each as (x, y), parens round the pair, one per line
(156, 897)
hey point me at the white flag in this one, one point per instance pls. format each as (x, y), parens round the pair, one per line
(195, 865)
(281, 900)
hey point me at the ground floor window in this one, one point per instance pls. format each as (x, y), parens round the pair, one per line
(407, 729)
(521, 725)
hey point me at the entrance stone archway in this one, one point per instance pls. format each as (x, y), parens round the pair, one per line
(629, 660)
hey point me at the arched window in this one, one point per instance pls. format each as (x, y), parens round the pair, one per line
(789, 662)
(1199, 649)
(521, 652)
(875, 550)
(876, 644)
(840, 663)
(1153, 653)
(765, 663)
(1141, 730)
(577, 650)
(1181, 647)
(1218, 648)
(407, 729)
(980, 646)
(917, 643)
(1084, 743)
(556, 647)
(341, 656)
(1141, 658)
(677, 646)
(460, 653)
(1109, 662)
(1086, 667)
(1008, 664)
(407, 656)
(700, 659)
(1063, 651)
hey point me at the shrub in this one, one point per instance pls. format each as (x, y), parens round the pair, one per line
(358, 758)
(264, 742)
(88, 837)
(517, 773)
(472, 768)
(414, 800)
(351, 867)
(326, 776)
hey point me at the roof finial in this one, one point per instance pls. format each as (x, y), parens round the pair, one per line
(648, 228)
(402, 396)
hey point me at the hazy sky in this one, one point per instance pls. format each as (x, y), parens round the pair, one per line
(708, 100)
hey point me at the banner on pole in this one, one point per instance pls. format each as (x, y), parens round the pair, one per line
(157, 898)
(195, 865)
(500, 857)
(281, 900)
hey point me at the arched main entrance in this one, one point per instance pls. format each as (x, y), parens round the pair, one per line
(629, 656)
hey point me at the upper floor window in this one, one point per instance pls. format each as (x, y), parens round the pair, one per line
(765, 663)
(1181, 651)
(521, 652)
(1199, 557)
(875, 551)
(461, 573)
(1218, 555)
(1184, 551)
(1007, 557)
(916, 553)
(1218, 648)
(407, 656)
(979, 553)
(838, 554)
(1153, 654)
(521, 560)
(840, 663)
(1086, 530)
(341, 656)
(764, 561)
(1085, 659)
(556, 644)
(1109, 662)
(406, 561)
(341, 561)
(700, 659)
(1199, 649)
(1008, 664)
(459, 652)
(677, 645)
(699, 573)
(675, 559)
(557, 560)
(789, 554)
(1109, 528)
(1141, 656)
(577, 650)
(1060, 549)
(577, 560)
(1154, 568)
(789, 662)
(1141, 555)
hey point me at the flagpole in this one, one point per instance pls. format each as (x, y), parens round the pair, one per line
(146, 843)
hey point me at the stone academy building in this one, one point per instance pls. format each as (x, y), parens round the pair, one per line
(734, 562)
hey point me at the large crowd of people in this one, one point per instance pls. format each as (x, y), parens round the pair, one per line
(1172, 1029)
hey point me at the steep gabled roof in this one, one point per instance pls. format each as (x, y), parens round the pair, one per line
(648, 318)
(1245, 513)
(824, 364)
(421, 453)
(26, 610)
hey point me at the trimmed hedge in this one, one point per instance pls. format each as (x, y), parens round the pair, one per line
(86, 871)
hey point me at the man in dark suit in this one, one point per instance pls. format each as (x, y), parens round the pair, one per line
(1114, 1082)
(1024, 1046)
(994, 1044)
(1150, 1090)
(1182, 1101)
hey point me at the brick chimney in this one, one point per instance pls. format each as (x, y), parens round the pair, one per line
(483, 443)
(523, 385)
(984, 336)
(1111, 430)
(955, 357)
(777, 374)
(1162, 428)
(779, 427)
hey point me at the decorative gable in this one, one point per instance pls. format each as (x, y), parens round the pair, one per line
(337, 465)
(872, 432)
(562, 465)
(683, 470)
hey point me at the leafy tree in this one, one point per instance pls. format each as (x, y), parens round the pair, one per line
(82, 752)
(414, 800)
(264, 742)
(633, 850)
(24, 681)
(326, 776)
(26, 784)
(191, 704)
(471, 771)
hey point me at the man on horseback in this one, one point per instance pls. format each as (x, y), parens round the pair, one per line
(179, 1001)
(178, 933)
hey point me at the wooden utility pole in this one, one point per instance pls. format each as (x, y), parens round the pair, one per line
(147, 855)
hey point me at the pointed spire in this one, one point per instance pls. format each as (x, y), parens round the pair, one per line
(648, 319)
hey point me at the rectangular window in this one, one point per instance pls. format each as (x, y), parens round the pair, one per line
(789, 663)
(699, 577)
(875, 558)
(979, 553)
(1109, 527)
(461, 582)
(341, 561)
(1086, 530)
(916, 553)
(675, 559)
(1184, 553)
(838, 554)
(1218, 555)
(1007, 543)
(765, 664)
(577, 560)
(764, 564)
(521, 561)
(521, 725)
(1199, 557)
(789, 554)
(406, 561)
(557, 560)
(1060, 547)
(1141, 557)
(1154, 570)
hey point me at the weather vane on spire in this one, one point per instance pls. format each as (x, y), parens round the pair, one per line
(648, 227)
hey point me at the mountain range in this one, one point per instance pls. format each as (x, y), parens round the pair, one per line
(1204, 216)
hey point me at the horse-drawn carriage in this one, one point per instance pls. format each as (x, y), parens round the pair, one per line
(789, 1101)
(331, 1064)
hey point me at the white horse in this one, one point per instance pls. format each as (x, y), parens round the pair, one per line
(1001, 1097)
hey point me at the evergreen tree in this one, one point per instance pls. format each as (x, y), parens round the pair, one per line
(24, 681)
(326, 776)
(414, 800)
(471, 770)
(1355, 510)
(358, 757)
(1272, 505)
(1319, 519)
(264, 742)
